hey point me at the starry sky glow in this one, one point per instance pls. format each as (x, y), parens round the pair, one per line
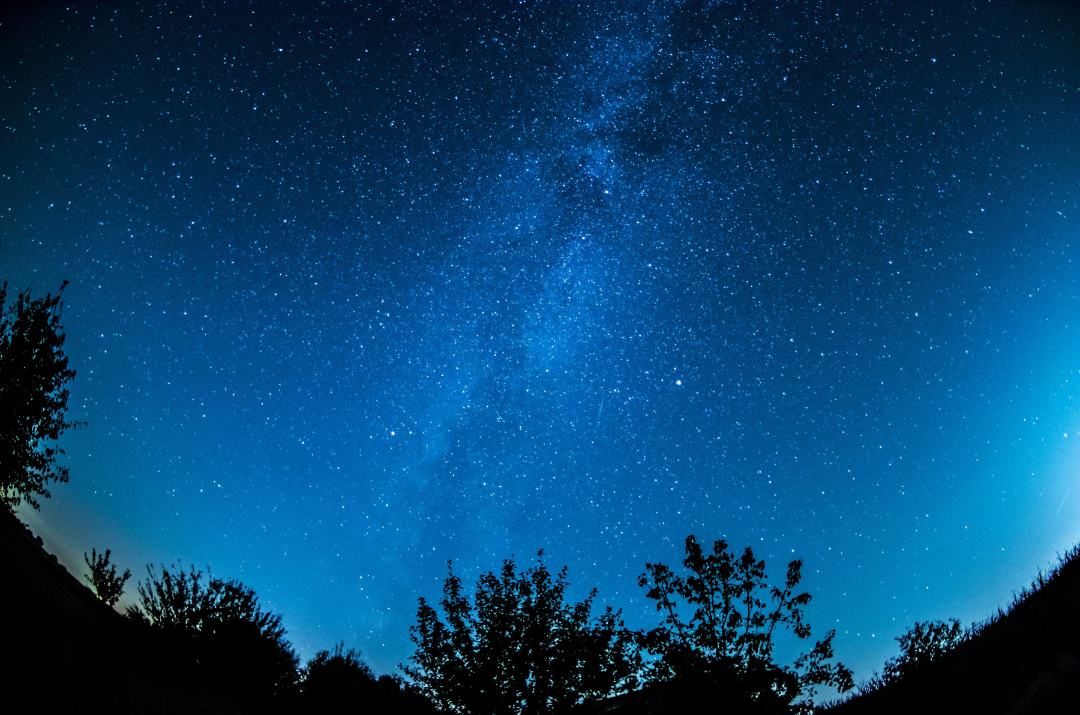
(357, 289)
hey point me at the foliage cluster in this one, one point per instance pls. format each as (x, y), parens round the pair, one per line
(33, 375)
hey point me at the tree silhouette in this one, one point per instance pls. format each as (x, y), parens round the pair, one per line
(239, 650)
(724, 651)
(519, 647)
(33, 375)
(108, 586)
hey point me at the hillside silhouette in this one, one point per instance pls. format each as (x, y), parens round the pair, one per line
(65, 651)
(1025, 660)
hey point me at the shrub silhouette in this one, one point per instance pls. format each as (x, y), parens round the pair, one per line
(723, 653)
(519, 647)
(33, 375)
(218, 629)
(921, 645)
(108, 586)
(924, 643)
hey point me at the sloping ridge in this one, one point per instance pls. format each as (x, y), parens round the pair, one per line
(64, 651)
(1022, 662)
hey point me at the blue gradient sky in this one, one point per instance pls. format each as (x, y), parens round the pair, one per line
(356, 290)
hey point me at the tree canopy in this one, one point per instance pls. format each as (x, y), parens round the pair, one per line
(33, 377)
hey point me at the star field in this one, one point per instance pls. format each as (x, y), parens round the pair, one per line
(357, 289)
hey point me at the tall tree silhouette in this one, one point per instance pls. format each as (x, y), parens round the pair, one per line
(518, 647)
(723, 652)
(33, 377)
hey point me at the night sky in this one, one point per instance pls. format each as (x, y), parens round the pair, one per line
(357, 289)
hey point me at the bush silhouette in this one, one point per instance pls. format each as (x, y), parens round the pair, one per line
(921, 645)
